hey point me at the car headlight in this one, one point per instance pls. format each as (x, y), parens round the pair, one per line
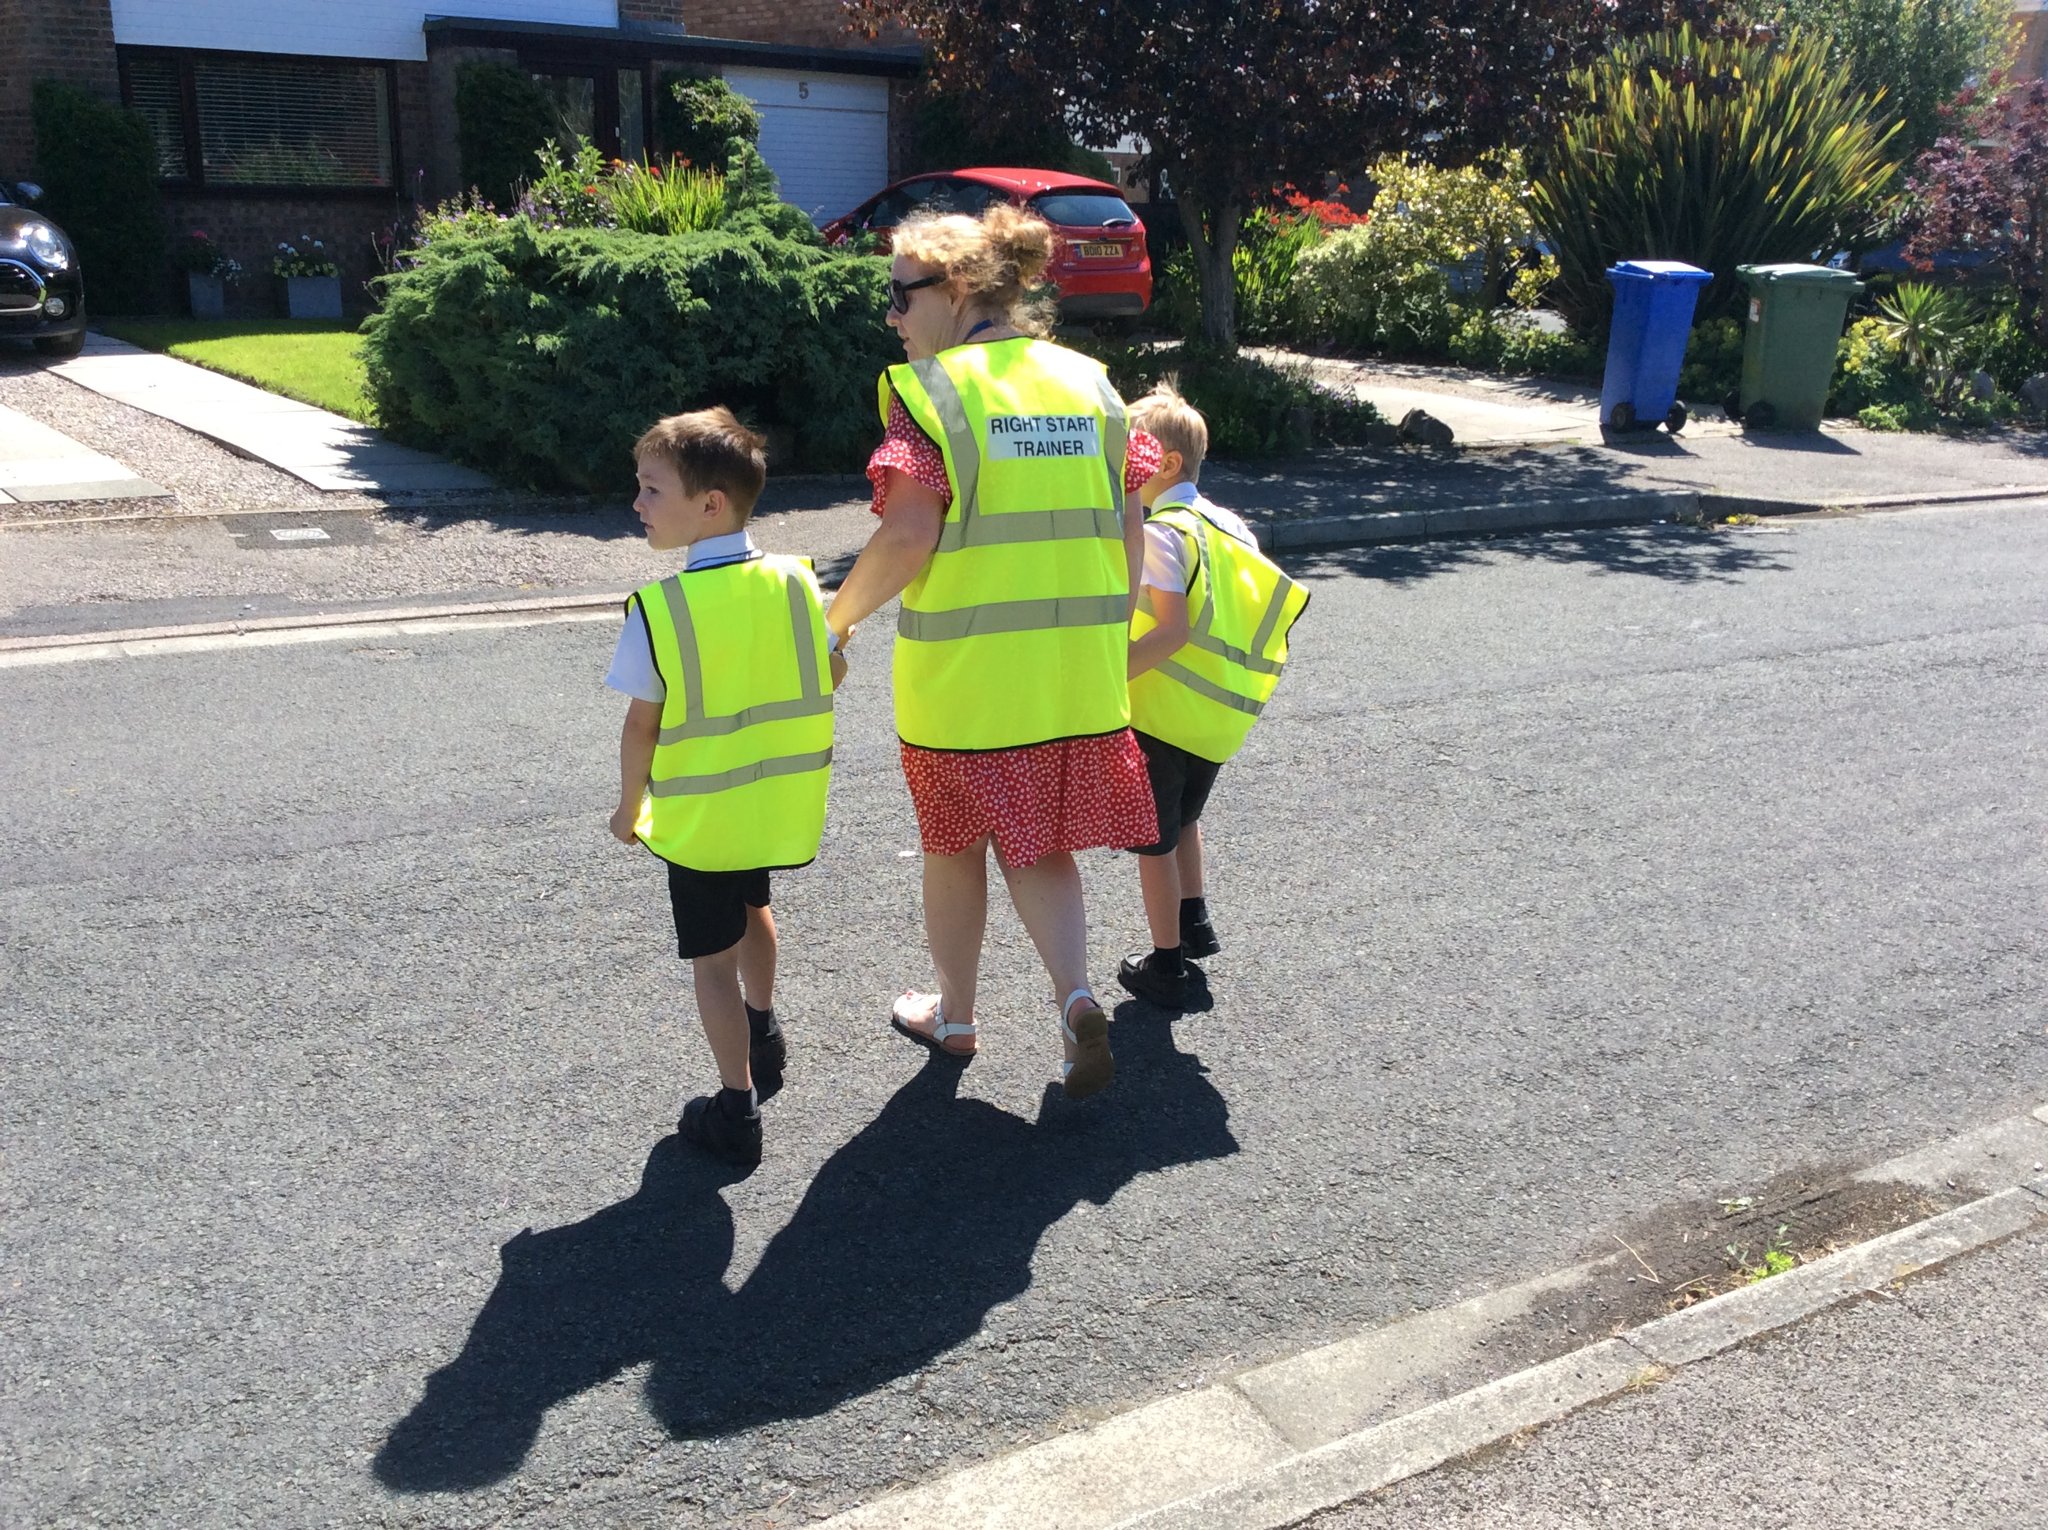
(47, 245)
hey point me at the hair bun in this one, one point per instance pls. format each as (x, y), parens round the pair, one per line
(1023, 239)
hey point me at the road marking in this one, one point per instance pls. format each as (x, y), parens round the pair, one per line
(108, 647)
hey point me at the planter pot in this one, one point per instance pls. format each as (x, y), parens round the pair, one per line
(209, 295)
(312, 297)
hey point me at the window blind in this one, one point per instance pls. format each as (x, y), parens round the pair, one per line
(153, 90)
(273, 122)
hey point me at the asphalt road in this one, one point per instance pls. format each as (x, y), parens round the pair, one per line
(1569, 879)
(1920, 1407)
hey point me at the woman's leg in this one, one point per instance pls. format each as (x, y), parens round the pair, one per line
(1048, 898)
(955, 914)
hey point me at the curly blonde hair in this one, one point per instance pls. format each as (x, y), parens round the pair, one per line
(997, 260)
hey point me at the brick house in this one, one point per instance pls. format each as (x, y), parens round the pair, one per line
(2030, 58)
(275, 120)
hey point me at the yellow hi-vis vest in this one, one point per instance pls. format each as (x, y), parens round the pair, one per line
(1205, 697)
(1015, 633)
(745, 749)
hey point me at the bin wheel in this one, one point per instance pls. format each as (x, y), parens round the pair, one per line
(1761, 415)
(1623, 418)
(1675, 420)
(1732, 406)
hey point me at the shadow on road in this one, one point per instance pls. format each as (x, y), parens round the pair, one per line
(1679, 554)
(910, 1234)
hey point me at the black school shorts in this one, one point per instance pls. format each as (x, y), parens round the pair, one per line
(1180, 789)
(711, 907)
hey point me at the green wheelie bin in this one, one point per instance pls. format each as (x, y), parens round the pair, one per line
(1790, 327)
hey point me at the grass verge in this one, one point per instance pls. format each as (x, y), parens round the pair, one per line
(316, 361)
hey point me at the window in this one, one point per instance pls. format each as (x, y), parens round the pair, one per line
(154, 91)
(1083, 209)
(230, 119)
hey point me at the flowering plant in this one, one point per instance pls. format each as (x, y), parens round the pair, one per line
(198, 254)
(308, 257)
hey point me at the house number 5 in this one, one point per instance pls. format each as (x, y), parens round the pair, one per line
(803, 90)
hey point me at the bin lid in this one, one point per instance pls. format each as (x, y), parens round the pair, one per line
(1796, 274)
(1658, 270)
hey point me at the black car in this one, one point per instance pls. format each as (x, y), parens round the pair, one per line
(42, 291)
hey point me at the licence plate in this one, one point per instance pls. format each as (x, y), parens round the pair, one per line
(1098, 251)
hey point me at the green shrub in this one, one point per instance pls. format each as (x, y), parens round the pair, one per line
(540, 353)
(1713, 360)
(1381, 287)
(2002, 346)
(1253, 408)
(502, 117)
(98, 167)
(1714, 150)
(1493, 341)
(696, 120)
(1269, 250)
(1872, 371)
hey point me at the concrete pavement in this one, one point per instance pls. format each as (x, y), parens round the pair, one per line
(38, 464)
(1570, 881)
(326, 450)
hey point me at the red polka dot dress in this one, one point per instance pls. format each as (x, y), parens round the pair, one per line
(1041, 799)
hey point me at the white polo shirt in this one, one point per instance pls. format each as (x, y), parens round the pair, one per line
(1166, 550)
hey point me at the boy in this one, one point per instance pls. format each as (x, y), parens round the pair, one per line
(727, 746)
(1208, 641)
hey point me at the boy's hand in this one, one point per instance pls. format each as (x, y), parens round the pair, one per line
(838, 663)
(623, 820)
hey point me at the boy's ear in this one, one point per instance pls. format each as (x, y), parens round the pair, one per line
(1172, 462)
(714, 504)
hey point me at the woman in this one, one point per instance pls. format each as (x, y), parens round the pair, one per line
(1009, 526)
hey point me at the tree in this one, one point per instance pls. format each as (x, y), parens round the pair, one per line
(1987, 189)
(1715, 150)
(1919, 53)
(1236, 99)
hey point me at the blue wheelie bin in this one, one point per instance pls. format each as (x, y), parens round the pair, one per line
(1653, 303)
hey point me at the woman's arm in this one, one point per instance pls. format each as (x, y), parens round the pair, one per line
(1134, 546)
(912, 517)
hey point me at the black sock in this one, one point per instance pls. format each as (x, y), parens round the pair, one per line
(760, 1022)
(1194, 910)
(1167, 960)
(738, 1103)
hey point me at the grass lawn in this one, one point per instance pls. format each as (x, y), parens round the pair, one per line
(317, 361)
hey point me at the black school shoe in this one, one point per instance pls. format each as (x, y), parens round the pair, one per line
(1199, 939)
(1142, 977)
(710, 1126)
(767, 1056)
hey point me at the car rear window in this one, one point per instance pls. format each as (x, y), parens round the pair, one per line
(1082, 209)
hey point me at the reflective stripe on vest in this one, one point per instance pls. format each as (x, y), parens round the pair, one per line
(741, 787)
(1206, 696)
(1028, 578)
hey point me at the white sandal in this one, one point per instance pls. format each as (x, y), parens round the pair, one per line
(942, 1031)
(1093, 1067)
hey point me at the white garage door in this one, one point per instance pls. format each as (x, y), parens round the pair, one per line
(826, 136)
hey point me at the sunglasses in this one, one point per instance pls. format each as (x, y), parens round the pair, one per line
(899, 291)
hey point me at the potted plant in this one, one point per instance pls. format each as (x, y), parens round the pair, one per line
(312, 281)
(209, 272)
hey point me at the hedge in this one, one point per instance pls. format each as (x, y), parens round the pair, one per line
(539, 354)
(97, 165)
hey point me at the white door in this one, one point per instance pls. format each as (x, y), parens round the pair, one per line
(826, 136)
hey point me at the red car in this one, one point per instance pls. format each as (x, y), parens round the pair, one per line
(1101, 267)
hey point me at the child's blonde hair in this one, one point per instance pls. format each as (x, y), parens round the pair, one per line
(1176, 424)
(996, 259)
(710, 449)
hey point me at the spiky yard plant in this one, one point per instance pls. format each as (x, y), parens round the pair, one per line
(1720, 151)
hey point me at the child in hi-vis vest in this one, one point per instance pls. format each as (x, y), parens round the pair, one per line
(1208, 642)
(727, 746)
